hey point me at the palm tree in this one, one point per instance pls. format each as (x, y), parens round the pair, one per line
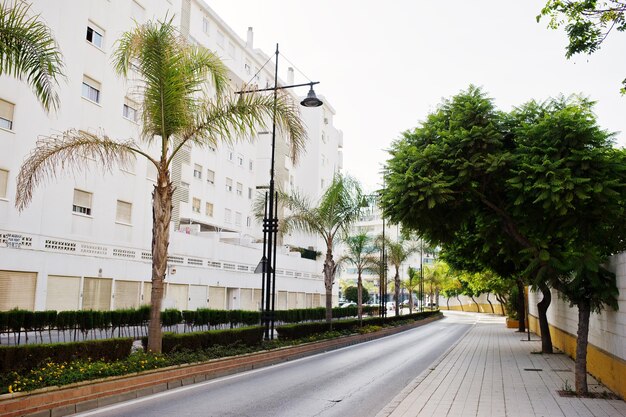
(331, 218)
(411, 284)
(434, 277)
(397, 253)
(359, 251)
(28, 50)
(177, 110)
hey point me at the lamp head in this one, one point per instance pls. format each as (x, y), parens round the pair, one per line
(311, 99)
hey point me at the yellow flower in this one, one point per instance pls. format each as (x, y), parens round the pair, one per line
(10, 389)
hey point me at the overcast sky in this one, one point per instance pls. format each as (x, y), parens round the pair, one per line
(384, 65)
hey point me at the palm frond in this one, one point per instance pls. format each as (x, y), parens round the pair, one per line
(174, 74)
(68, 151)
(28, 50)
(230, 118)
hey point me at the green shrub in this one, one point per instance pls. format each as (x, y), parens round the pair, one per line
(25, 357)
(249, 336)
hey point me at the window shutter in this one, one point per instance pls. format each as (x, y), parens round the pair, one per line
(17, 290)
(4, 179)
(82, 199)
(6, 110)
(124, 210)
(178, 293)
(63, 293)
(147, 293)
(217, 296)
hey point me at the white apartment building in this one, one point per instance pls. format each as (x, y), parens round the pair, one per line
(84, 242)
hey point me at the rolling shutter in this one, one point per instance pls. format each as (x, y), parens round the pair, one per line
(281, 301)
(292, 300)
(257, 299)
(309, 301)
(63, 293)
(17, 290)
(246, 302)
(317, 300)
(300, 300)
(217, 296)
(147, 293)
(178, 293)
(127, 294)
(97, 294)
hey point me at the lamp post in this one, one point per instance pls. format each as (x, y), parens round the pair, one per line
(267, 265)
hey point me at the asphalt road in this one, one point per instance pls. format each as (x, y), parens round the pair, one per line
(354, 381)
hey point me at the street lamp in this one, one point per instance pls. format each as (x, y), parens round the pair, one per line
(267, 265)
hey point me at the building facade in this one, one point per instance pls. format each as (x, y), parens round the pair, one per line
(84, 242)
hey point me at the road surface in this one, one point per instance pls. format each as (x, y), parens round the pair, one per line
(357, 380)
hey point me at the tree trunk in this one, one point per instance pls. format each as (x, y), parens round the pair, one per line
(329, 278)
(584, 310)
(396, 293)
(410, 302)
(161, 217)
(542, 308)
(448, 302)
(490, 305)
(477, 306)
(359, 300)
(521, 307)
(460, 303)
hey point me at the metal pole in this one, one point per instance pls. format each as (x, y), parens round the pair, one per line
(264, 268)
(275, 232)
(421, 274)
(384, 266)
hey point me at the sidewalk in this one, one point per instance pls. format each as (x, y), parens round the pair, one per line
(491, 372)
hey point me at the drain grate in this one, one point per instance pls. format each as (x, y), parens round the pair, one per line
(533, 369)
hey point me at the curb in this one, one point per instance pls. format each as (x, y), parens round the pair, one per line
(88, 395)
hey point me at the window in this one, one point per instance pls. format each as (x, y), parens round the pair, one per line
(248, 221)
(229, 185)
(129, 111)
(208, 209)
(249, 193)
(95, 35)
(123, 213)
(239, 189)
(240, 160)
(247, 67)
(205, 25)
(197, 171)
(210, 176)
(322, 183)
(231, 155)
(195, 205)
(91, 89)
(220, 38)
(231, 49)
(323, 137)
(227, 215)
(212, 148)
(237, 218)
(82, 202)
(4, 180)
(6, 114)
(323, 160)
(250, 165)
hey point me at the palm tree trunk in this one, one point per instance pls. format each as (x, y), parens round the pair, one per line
(584, 311)
(542, 309)
(359, 300)
(396, 295)
(161, 217)
(329, 277)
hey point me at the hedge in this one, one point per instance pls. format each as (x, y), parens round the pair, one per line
(249, 336)
(300, 330)
(26, 357)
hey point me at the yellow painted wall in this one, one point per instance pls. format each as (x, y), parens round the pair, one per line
(484, 308)
(605, 367)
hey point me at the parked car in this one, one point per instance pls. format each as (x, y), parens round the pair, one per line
(348, 304)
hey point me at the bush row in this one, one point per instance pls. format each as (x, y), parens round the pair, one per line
(249, 336)
(301, 330)
(15, 358)
(85, 320)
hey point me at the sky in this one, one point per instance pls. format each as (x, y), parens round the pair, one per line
(384, 66)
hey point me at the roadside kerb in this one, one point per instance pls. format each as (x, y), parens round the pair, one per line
(87, 395)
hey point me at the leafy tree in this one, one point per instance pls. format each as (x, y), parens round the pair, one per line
(434, 277)
(28, 50)
(544, 176)
(587, 23)
(452, 288)
(352, 294)
(177, 110)
(359, 251)
(337, 209)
